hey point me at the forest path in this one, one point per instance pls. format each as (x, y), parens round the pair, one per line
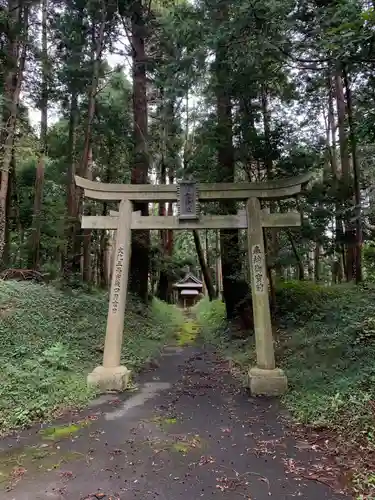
(188, 432)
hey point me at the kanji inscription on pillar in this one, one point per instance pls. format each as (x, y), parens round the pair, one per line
(187, 200)
(258, 269)
(118, 278)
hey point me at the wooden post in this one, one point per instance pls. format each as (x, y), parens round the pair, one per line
(264, 379)
(111, 375)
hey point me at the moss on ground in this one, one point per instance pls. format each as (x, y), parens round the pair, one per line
(50, 339)
(187, 334)
(181, 444)
(32, 459)
(164, 422)
(62, 431)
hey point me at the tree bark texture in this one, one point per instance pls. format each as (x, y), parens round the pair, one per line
(356, 178)
(13, 83)
(350, 237)
(139, 267)
(229, 239)
(204, 267)
(34, 257)
(339, 229)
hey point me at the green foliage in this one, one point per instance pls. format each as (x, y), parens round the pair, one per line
(159, 324)
(329, 358)
(327, 347)
(51, 339)
(298, 300)
(369, 260)
(364, 483)
(211, 318)
(215, 330)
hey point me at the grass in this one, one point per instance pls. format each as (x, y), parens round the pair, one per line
(216, 331)
(51, 339)
(325, 341)
(328, 352)
(187, 334)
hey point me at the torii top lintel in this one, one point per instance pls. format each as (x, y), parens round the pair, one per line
(275, 189)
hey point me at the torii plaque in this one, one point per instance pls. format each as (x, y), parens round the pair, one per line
(187, 200)
(264, 378)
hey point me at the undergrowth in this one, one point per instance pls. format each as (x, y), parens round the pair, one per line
(325, 342)
(216, 331)
(51, 339)
(328, 350)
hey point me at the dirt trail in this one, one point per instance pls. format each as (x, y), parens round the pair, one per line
(188, 432)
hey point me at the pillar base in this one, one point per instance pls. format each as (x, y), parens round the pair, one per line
(267, 382)
(109, 379)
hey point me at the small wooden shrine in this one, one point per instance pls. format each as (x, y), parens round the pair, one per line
(188, 291)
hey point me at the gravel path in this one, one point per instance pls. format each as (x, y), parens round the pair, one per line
(189, 432)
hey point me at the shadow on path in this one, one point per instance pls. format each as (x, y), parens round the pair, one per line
(188, 433)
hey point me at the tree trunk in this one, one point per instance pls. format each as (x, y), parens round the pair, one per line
(205, 270)
(34, 257)
(317, 262)
(310, 264)
(73, 251)
(87, 233)
(299, 263)
(270, 276)
(106, 239)
(163, 275)
(13, 82)
(271, 249)
(86, 162)
(218, 266)
(350, 237)
(167, 132)
(139, 268)
(97, 49)
(339, 230)
(229, 239)
(170, 240)
(357, 188)
(12, 194)
(103, 260)
(162, 290)
(267, 134)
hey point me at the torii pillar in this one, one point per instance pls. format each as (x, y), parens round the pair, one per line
(264, 379)
(111, 375)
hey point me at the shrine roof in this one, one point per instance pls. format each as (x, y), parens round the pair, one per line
(189, 280)
(190, 292)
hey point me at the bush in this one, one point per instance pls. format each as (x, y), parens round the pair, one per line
(330, 357)
(298, 300)
(211, 319)
(211, 313)
(51, 339)
(215, 331)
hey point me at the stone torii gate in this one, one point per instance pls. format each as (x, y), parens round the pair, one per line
(264, 378)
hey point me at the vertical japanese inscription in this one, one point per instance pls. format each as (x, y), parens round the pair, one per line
(187, 200)
(118, 278)
(258, 269)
